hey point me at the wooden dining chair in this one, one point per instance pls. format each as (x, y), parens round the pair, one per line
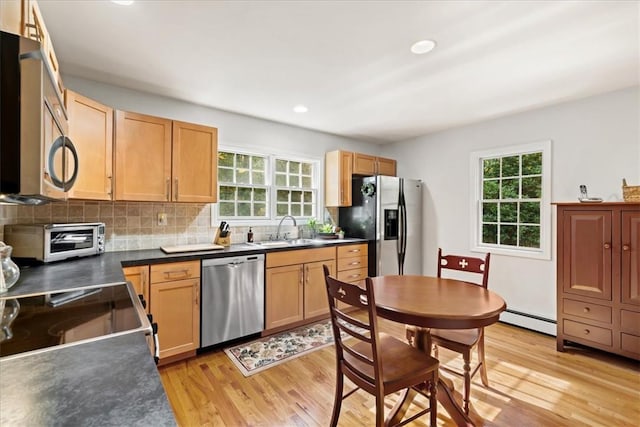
(374, 361)
(463, 341)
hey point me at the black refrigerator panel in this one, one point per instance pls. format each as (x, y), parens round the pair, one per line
(359, 220)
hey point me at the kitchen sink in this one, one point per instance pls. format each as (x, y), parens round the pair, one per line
(288, 243)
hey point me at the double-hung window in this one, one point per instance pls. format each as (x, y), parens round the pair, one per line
(255, 186)
(511, 207)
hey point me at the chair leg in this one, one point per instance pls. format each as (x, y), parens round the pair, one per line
(337, 400)
(483, 366)
(433, 402)
(411, 334)
(380, 411)
(467, 379)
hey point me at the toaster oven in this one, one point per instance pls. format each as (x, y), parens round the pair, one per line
(55, 242)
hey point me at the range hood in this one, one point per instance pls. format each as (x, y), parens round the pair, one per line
(38, 162)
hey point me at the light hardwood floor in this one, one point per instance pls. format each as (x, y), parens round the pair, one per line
(531, 384)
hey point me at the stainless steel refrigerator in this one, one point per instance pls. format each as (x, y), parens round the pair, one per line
(387, 211)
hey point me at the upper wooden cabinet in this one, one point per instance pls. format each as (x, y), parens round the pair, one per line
(158, 159)
(91, 131)
(364, 164)
(195, 163)
(338, 170)
(11, 16)
(23, 17)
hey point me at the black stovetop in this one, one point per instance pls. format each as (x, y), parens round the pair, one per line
(46, 321)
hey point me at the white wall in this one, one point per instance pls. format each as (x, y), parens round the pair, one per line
(595, 141)
(233, 129)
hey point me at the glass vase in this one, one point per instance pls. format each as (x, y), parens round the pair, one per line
(10, 271)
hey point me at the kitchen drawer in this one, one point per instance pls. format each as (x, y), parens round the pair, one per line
(630, 343)
(600, 313)
(354, 275)
(347, 251)
(586, 332)
(352, 263)
(299, 256)
(174, 271)
(630, 322)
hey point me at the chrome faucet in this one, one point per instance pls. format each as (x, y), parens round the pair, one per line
(280, 225)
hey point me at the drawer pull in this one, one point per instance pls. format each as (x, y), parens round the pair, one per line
(586, 309)
(183, 272)
(587, 332)
(353, 276)
(354, 250)
(626, 247)
(355, 263)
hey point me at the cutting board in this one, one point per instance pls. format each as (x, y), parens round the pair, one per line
(191, 248)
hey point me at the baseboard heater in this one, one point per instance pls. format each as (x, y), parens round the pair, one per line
(529, 321)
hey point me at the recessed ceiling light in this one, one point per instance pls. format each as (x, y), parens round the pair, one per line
(300, 108)
(123, 2)
(423, 46)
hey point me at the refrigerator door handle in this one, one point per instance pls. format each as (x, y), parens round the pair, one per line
(402, 229)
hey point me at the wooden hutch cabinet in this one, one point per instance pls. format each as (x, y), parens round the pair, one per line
(598, 276)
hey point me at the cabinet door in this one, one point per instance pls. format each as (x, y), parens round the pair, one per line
(386, 166)
(284, 296)
(337, 178)
(143, 158)
(11, 16)
(139, 278)
(364, 164)
(315, 289)
(587, 253)
(195, 163)
(91, 131)
(176, 308)
(631, 258)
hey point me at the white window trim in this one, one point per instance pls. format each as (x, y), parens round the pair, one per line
(270, 159)
(545, 211)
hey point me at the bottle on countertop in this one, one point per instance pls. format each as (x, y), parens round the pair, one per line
(250, 235)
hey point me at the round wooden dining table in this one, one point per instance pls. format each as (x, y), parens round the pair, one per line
(431, 302)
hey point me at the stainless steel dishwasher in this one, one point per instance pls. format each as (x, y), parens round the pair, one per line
(232, 298)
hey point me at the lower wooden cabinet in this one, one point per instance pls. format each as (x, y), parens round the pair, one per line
(139, 278)
(352, 261)
(172, 293)
(295, 287)
(598, 276)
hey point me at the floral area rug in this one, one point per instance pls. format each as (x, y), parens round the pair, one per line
(255, 356)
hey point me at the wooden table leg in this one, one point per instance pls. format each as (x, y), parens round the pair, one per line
(445, 393)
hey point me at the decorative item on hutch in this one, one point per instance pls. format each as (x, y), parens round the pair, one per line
(630, 193)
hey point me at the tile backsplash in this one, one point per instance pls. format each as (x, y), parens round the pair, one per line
(134, 225)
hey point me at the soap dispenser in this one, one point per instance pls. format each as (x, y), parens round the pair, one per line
(250, 235)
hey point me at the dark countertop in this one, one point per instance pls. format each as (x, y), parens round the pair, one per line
(107, 268)
(111, 382)
(108, 382)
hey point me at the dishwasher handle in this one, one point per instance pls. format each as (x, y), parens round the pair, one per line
(232, 260)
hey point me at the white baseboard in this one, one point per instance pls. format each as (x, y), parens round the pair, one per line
(546, 326)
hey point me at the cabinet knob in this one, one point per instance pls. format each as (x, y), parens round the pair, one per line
(587, 332)
(607, 245)
(587, 309)
(626, 247)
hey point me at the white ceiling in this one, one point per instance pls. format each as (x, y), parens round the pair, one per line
(349, 61)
